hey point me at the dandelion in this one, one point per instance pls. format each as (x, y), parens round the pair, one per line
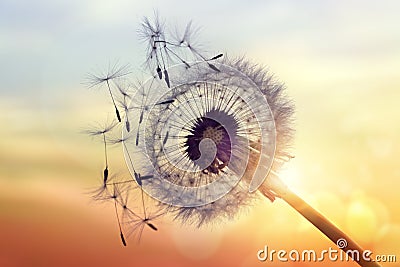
(205, 137)
(223, 114)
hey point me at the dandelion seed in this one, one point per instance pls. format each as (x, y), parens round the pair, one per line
(138, 178)
(135, 222)
(130, 218)
(166, 138)
(123, 90)
(137, 138)
(159, 72)
(163, 48)
(166, 77)
(213, 67)
(114, 196)
(103, 130)
(137, 225)
(123, 239)
(102, 193)
(105, 175)
(127, 212)
(186, 64)
(151, 225)
(124, 105)
(216, 57)
(187, 33)
(141, 117)
(100, 129)
(113, 72)
(165, 102)
(145, 177)
(117, 113)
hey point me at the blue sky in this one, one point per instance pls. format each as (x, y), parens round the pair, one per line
(54, 43)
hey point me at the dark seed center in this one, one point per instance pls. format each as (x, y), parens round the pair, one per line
(207, 128)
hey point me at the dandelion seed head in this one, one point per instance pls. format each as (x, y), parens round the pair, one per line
(240, 111)
(200, 136)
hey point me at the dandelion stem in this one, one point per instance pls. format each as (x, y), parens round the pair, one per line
(318, 220)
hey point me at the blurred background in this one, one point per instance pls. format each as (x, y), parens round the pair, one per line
(340, 61)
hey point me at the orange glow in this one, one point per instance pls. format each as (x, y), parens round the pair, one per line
(343, 76)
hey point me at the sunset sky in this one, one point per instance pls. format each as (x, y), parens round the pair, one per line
(339, 60)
